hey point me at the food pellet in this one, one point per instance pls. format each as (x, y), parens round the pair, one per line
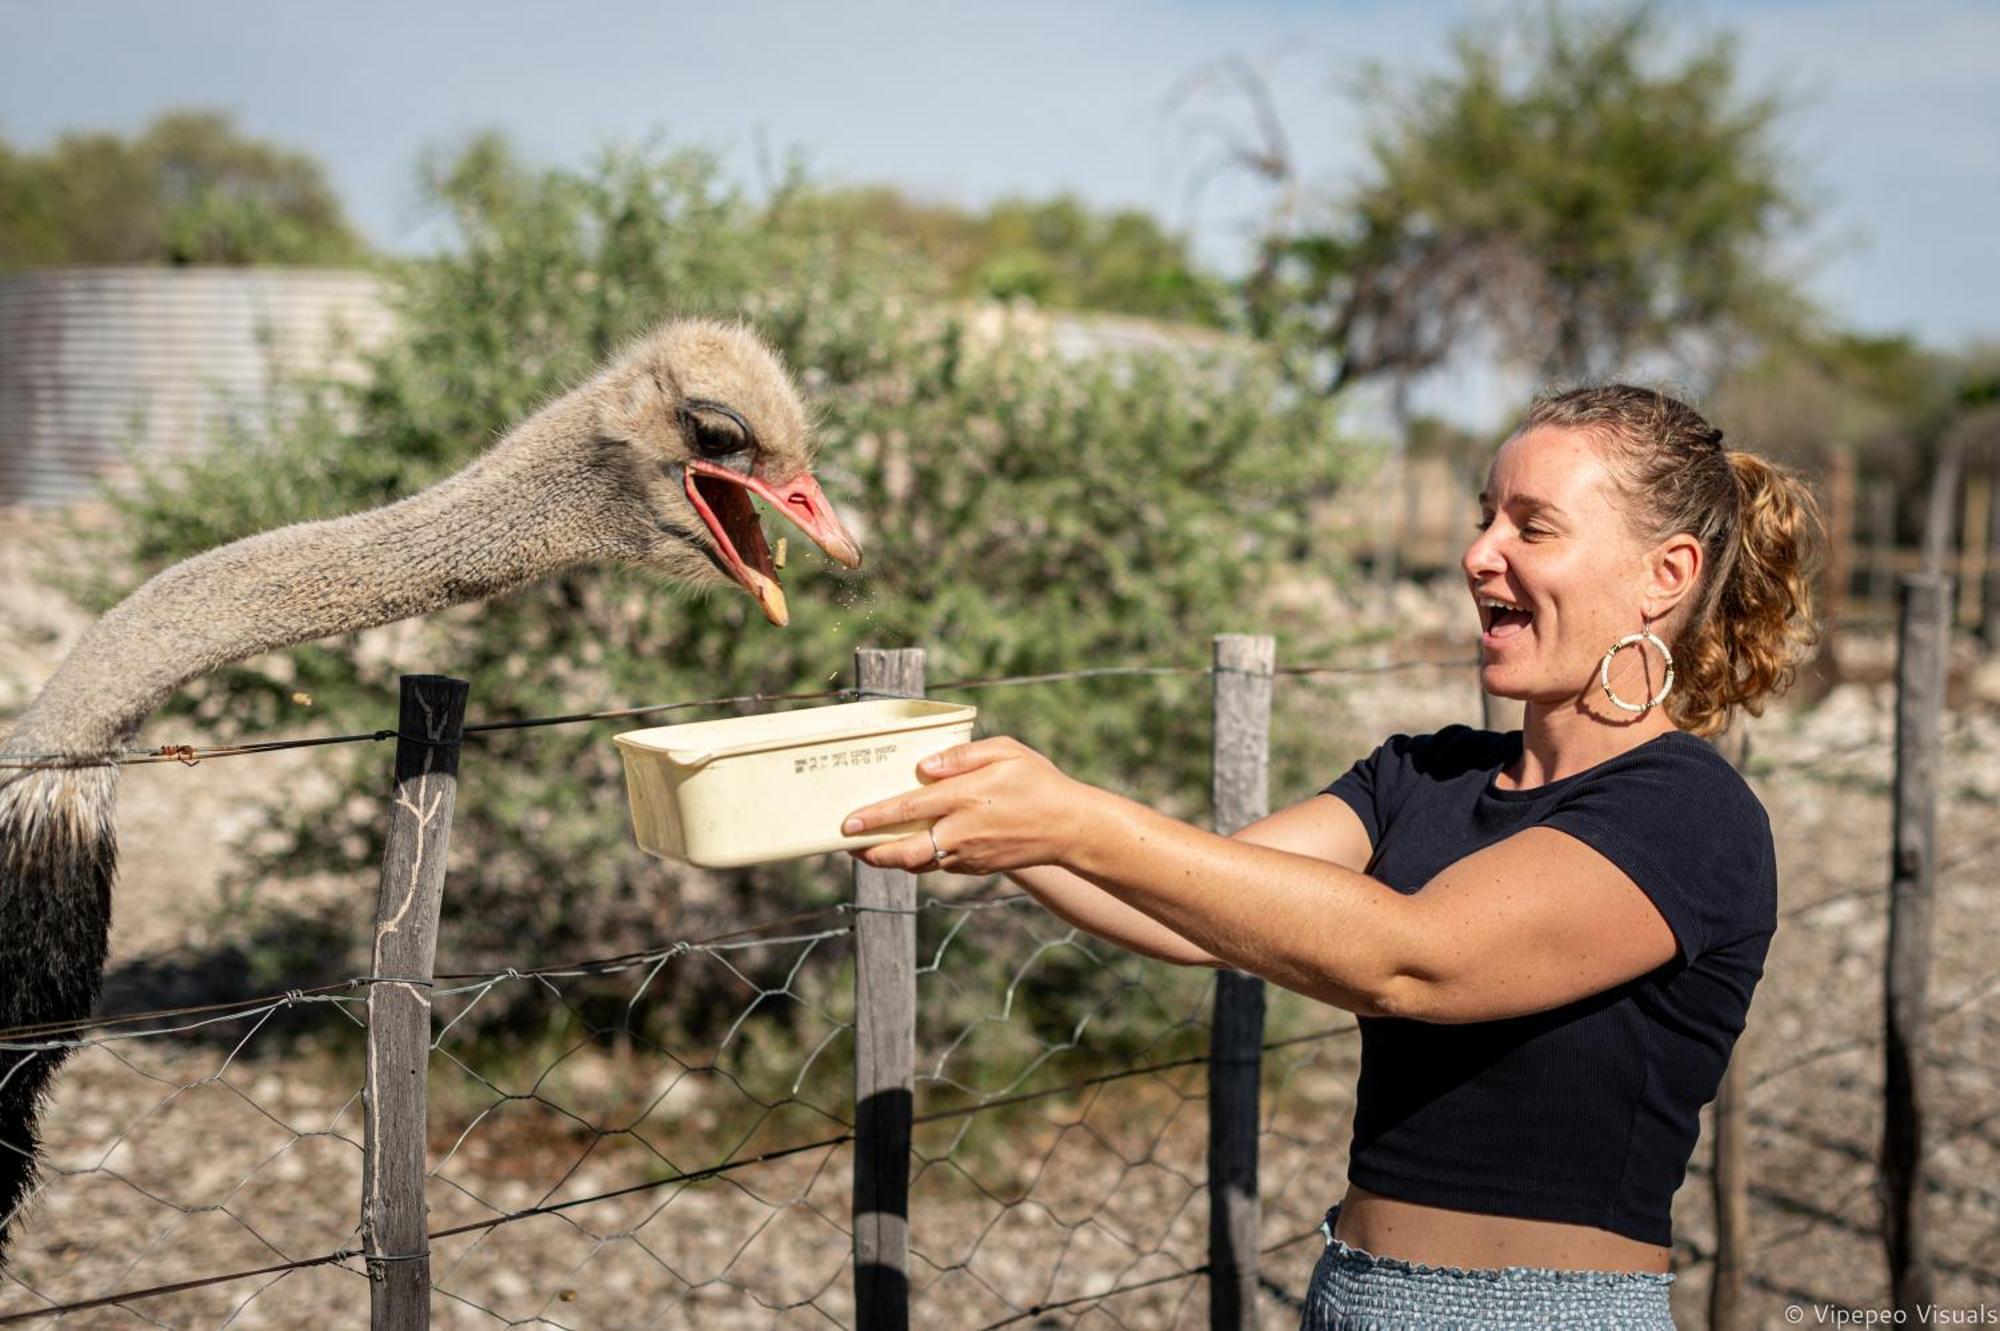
(779, 560)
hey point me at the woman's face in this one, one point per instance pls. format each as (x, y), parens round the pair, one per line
(1557, 552)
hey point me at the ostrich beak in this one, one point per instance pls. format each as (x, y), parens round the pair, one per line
(722, 498)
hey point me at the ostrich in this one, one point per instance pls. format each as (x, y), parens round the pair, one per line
(651, 462)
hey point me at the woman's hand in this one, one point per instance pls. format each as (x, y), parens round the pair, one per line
(999, 805)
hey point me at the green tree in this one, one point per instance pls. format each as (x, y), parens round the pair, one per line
(1058, 252)
(1022, 511)
(1567, 189)
(190, 188)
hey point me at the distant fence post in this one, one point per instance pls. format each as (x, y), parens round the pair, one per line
(885, 1049)
(395, 1214)
(1970, 570)
(1881, 544)
(1242, 772)
(1729, 1180)
(1989, 588)
(1842, 467)
(1924, 637)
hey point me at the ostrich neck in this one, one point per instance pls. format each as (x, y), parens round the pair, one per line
(516, 514)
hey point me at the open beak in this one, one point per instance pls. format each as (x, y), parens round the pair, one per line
(722, 498)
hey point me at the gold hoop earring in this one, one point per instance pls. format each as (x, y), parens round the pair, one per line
(1604, 671)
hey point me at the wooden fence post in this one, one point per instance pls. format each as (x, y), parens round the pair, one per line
(885, 1049)
(1242, 772)
(1881, 545)
(1941, 511)
(1989, 589)
(1924, 637)
(395, 1214)
(1729, 1181)
(1839, 575)
(1971, 568)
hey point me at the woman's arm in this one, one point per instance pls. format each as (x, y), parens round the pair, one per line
(1095, 911)
(1322, 827)
(1527, 924)
(1315, 926)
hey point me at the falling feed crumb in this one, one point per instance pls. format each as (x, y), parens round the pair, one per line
(779, 559)
(303, 699)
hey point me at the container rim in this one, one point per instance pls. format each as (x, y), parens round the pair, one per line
(948, 713)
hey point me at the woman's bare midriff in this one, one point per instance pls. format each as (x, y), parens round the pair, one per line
(1438, 1237)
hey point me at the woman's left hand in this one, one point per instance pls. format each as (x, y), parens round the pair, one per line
(999, 805)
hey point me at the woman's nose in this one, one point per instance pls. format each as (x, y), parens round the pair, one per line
(1482, 558)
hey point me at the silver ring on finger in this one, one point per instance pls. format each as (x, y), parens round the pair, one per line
(937, 851)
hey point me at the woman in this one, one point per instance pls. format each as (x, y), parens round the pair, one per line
(1550, 937)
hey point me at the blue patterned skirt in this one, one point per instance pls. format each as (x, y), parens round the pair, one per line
(1353, 1290)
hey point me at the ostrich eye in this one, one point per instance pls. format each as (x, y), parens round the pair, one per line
(717, 440)
(715, 430)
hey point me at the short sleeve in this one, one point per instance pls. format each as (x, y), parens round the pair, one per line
(1374, 785)
(1683, 825)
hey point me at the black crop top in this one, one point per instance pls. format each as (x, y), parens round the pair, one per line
(1586, 1113)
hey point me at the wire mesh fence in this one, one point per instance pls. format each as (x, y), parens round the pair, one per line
(611, 1161)
(1060, 1133)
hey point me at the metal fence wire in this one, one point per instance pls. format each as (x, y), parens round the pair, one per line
(622, 1165)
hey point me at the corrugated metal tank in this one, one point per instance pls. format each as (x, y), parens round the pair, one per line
(93, 360)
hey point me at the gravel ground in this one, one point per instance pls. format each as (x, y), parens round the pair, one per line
(177, 1159)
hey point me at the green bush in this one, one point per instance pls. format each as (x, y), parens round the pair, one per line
(1022, 510)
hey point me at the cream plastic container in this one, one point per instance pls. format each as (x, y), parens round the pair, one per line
(776, 786)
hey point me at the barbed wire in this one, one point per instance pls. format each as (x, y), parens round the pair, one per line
(189, 755)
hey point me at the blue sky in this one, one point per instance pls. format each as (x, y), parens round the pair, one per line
(1899, 131)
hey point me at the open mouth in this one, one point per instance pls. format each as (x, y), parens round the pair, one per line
(722, 498)
(1500, 620)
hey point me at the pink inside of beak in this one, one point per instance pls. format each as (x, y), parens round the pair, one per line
(801, 500)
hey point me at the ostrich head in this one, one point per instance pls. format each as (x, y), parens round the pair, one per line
(698, 417)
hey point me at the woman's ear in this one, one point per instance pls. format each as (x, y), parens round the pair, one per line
(1674, 570)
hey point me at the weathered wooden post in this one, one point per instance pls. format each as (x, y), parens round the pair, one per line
(1241, 783)
(1924, 637)
(395, 1213)
(1839, 575)
(1941, 511)
(1971, 569)
(1729, 1181)
(885, 1049)
(1824, 670)
(1989, 590)
(1881, 545)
